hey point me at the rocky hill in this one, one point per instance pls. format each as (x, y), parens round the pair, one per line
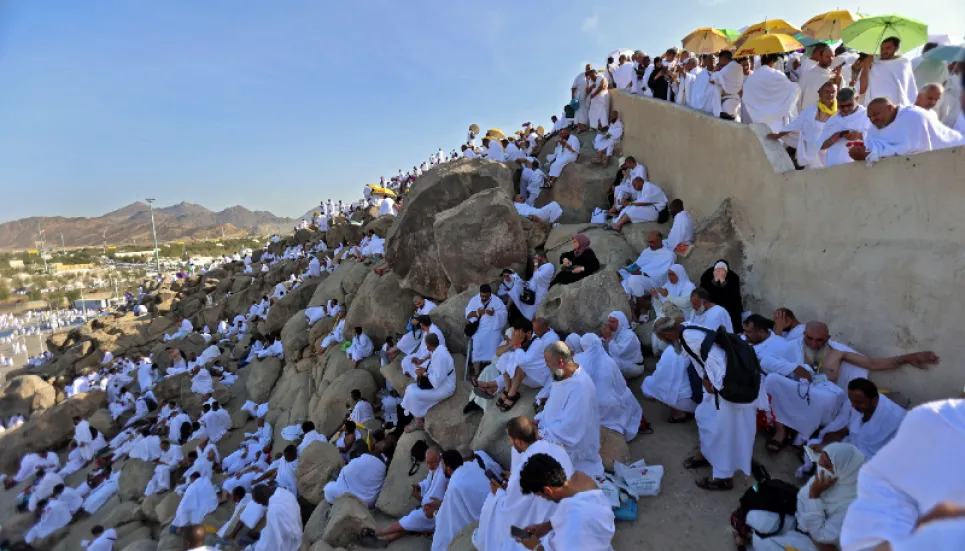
(459, 229)
(132, 223)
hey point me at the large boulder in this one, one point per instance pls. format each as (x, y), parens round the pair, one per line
(134, 478)
(447, 424)
(289, 305)
(610, 248)
(379, 225)
(261, 378)
(491, 434)
(348, 517)
(581, 307)
(141, 545)
(340, 230)
(580, 189)
(104, 423)
(450, 317)
(342, 285)
(25, 395)
(319, 463)
(395, 377)
(329, 412)
(294, 336)
(315, 526)
(48, 431)
(289, 402)
(381, 307)
(410, 247)
(396, 499)
(479, 237)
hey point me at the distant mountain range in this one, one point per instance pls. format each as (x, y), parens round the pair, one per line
(132, 224)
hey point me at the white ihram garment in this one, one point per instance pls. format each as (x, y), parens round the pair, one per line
(599, 104)
(618, 408)
(624, 347)
(808, 130)
(914, 130)
(283, 524)
(726, 434)
(362, 477)
(606, 141)
(857, 121)
(433, 486)
(770, 98)
(571, 419)
(669, 383)
(489, 334)
(893, 79)
(442, 374)
(200, 499)
(562, 156)
(465, 495)
(582, 115)
(360, 348)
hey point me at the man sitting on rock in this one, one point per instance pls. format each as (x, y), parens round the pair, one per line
(361, 347)
(276, 350)
(315, 313)
(171, 457)
(362, 411)
(520, 363)
(309, 435)
(52, 515)
(283, 520)
(412, 339)
(430, 492)
(435, 382)
(201, 382)
(644, 205)
(336, 336)
(571, 417)
(527, 304)
(549, 213)
(363, 476)
(412, 361)
(185, 328)
(648, 272)
(566, 152)
(531, 179)
(604, 142)
(682, 235)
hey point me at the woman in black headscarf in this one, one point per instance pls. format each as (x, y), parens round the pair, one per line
(724, 287)
(578, 263)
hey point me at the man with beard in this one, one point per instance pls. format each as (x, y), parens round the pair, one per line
(818, 396)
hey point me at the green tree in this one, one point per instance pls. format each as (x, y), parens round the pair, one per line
(72, 296)
(34, 294)
(4, 291)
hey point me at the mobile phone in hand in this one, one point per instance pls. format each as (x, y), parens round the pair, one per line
(517, 532)
(493, 476)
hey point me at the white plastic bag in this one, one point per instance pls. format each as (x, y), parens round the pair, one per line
(639, 478)
(598, 216)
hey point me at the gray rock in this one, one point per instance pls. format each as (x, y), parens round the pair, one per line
(315, 526)
(462, 541)
(261, 379)
(613, 447)
(478, 238)
(611, 249)
(134, 478)
(141, 545)
(331, 408)
(583, 306)
(289, 305)
(348, 517)
(341, 285)
(294, 336)
(580, 189)
(381, 307)
(450, 317)
(318, 464)
(491, 434)
(25, 395)
(410, 246)
(396, 499)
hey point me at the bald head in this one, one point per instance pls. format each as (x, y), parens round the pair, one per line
(193, 536)
(655, 240)
(881, 112)
(540, 326)
(929, 95)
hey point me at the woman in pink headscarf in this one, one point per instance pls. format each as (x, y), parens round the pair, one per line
(578, 263)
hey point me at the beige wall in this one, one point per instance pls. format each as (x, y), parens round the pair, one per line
(876, 252)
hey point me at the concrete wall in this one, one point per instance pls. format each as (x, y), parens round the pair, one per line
(876, 252)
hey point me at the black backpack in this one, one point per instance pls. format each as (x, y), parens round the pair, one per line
(768, 494)
(418, 455)
(742, 381)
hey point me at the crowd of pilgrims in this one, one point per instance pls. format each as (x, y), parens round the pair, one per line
(875, 476)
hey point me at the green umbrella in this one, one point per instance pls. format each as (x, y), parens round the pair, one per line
(807, 41)
(865, 35)
(731, 34)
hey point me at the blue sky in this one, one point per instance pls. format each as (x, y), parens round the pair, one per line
(277, 105)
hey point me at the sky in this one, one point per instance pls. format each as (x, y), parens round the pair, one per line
(279, 105)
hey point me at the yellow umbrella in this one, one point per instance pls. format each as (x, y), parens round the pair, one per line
(474, 128)
(495, 134)
(827, 26)
(705, 40)
(768, 44)
(540, 131)
(769, 26)
(375, 186)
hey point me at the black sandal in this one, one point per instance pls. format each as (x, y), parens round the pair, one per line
(714, 484)
(694, 463)
(506, 406)
(482, 393)
(369, 540)
(677, 420)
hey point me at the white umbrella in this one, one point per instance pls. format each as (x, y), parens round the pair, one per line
(615, 54)
(941, 39)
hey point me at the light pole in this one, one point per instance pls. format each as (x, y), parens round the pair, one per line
(157, 251)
